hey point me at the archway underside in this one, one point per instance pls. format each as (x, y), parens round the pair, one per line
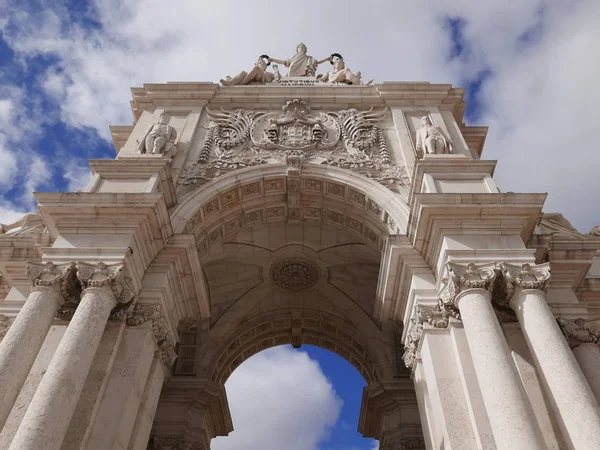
(267, 194)
(296, 327)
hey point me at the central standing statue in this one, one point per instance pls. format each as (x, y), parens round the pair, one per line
(301, 64)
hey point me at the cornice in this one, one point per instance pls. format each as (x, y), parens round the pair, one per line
(434, 216)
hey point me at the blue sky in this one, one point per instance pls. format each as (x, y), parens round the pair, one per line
(530, 69)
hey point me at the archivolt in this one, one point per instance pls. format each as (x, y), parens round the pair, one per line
(264, 194)
(296, 328)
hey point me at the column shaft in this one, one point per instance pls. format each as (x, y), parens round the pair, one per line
(47, 419)
(22, 343)
(574, 400)
(510, 414)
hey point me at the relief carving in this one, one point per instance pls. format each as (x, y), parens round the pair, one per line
(580, 331)
(144, 313)
(349, 139)
(295, 274)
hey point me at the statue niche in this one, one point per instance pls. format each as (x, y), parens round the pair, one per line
(159, 137)
(431, 139)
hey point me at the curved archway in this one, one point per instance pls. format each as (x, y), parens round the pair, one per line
(295, 327)
(280, 394)
(265, 194)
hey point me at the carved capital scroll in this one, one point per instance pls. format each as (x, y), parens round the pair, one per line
(519, 277)
(462, 277)
(50, 275)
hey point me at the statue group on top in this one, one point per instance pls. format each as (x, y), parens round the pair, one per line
(301, 65)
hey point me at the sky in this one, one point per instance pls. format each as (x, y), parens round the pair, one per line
(530, 68)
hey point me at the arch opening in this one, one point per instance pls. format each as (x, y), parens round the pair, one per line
(284, 394)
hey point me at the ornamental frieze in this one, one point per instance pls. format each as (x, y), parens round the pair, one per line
(349, 139)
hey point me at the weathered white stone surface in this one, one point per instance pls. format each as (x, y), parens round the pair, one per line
(511, 416)
(571, 394)
(20, 346)
(48, 416)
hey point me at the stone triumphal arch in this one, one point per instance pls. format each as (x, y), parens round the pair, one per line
(306, 208)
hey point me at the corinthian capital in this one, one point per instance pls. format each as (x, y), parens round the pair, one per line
(462, 277)
(524, 276)
(109, 276)
(50, 275)
(580, 331)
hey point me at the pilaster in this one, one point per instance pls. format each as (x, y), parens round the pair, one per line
(389, 413)
(191, 412)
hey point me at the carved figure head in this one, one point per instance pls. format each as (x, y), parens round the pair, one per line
(260, 63)
(425, 120)
(164, 118)
(339, 64)
(301, 49)
(317, 132)
(272, 133)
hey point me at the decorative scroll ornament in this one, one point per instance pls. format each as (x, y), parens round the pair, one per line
(525, 276)
(413, 338)
(434, 316)
(144, 313)
(462, 277)
(50, 275)
(349, 139)
(580, 331)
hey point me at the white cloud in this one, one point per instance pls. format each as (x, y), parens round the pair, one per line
(9, 215)
(279, 399)
(8, 165)
(78, 176)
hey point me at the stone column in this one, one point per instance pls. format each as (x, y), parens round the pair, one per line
(47, 419)
(510, 413)
(571, 394)
(25, 337)
(584, 339)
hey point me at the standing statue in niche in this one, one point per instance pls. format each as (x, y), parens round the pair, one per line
(341, 74)
(258, 75)
(301, 64)
(159, 138)
(431, 139)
